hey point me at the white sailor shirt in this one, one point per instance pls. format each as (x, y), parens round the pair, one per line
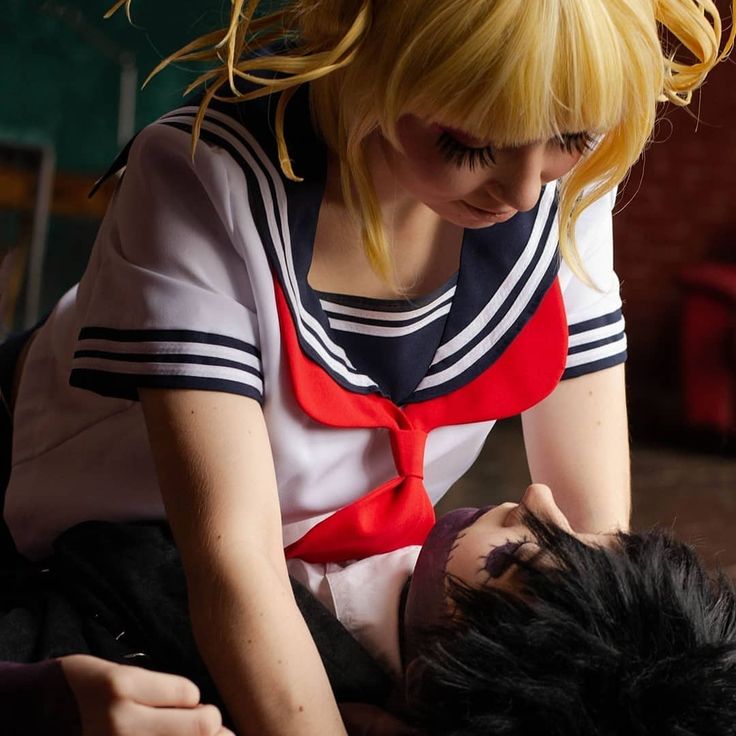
(198, 279)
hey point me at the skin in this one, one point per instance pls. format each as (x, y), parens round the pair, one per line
(217, 480)
(504, 523)
(426, 202)
(475, 197)
(271, 677)
(117, 700)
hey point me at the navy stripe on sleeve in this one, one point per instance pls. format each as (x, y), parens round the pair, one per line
(117, 362)
(598, 365)
(168, 358)
(592, 324)
(196, 336)
(125, 385)
(596, 344)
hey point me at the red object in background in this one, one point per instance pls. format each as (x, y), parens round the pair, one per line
(709, 347)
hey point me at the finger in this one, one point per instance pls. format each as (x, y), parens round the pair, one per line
(157, 689)
(204, 720)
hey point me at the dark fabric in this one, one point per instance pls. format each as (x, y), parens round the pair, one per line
(10, 351)
(35, 700)
(118, 591)
(425, 601)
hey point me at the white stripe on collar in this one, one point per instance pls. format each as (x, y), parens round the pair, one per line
(385, 315)
(309, 327)
(312, 331)
(475, 327)
(389, 331)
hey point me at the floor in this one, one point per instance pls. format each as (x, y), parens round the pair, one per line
(694, 493)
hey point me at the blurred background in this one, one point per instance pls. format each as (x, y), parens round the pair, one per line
(71, 97)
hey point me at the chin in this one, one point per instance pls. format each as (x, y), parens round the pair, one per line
(462, 220)
(469, 223)
(470, 219)
(478, 226)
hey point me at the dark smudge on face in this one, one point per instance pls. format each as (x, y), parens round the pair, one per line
(500, 559)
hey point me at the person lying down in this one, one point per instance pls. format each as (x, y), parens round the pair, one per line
(536, 629)
(515, 624)
(511, 623)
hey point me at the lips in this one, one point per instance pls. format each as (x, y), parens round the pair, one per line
(489, 215)
(495, 213)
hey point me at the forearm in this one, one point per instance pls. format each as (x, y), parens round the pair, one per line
(218, 483)
(577, 444)
(260, 653)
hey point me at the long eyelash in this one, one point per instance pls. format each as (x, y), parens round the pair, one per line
(460, 155)
(575, 142)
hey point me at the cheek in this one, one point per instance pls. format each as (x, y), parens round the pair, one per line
(422, 169)
(558, 163)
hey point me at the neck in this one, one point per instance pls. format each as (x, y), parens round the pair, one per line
(425, 250)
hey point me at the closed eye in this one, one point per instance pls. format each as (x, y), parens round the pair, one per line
(575, 142)
(460, 154)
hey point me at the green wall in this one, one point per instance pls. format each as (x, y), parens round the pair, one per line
(60, 86)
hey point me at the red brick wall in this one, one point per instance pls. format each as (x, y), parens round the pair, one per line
(683, 213)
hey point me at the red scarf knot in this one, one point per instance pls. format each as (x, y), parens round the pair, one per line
(408, 446)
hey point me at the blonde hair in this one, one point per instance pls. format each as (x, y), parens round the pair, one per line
(510, 71)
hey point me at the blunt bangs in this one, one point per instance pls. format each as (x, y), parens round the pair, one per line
(507, 71)
(513, 72)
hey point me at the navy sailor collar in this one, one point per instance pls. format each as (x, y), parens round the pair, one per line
(505, 270)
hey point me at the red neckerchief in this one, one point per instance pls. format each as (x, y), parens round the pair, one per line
(399, 513)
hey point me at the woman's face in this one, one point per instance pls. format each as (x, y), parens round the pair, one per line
(469, 182)
(477, 556)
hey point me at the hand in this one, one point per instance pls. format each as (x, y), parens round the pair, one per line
(117, 700)
(362, 719)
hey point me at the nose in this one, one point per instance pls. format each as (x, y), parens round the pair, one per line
(518, 177)
(539, 500)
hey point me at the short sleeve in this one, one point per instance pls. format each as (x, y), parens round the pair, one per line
(597, 337)
(166, 300)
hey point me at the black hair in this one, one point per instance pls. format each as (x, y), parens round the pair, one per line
(635, 639)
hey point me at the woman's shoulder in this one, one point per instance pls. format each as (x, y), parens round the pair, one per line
(163, 146)
(245, 130)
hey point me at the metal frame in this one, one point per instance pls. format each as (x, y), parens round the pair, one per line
(45, 174)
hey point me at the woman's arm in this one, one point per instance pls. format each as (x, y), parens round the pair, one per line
(218, 485)
(577, 442)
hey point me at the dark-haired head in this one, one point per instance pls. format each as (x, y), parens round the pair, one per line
(635, 638)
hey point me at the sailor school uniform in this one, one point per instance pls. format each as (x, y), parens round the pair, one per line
(198, 280)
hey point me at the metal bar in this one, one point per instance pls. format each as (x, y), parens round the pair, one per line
(128, 95)
(37, 252)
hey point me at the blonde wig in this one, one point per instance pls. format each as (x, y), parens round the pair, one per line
(508, 71)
